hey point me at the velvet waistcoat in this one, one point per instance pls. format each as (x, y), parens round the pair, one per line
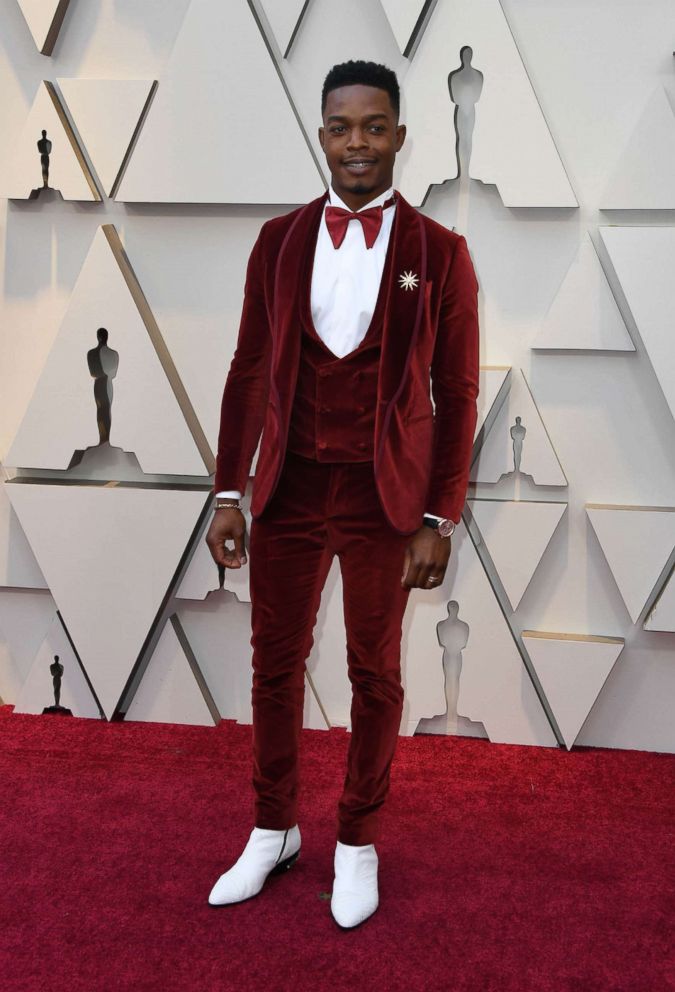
(333, 412)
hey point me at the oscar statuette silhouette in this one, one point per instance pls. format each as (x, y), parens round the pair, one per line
(56, 669)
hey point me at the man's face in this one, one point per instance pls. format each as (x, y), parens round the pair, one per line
(360, 138)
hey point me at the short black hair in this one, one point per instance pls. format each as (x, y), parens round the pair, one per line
(358, 72)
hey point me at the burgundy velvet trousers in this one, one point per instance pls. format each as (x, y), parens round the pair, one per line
(319, 510)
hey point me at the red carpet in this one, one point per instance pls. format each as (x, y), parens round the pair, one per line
(513, 869)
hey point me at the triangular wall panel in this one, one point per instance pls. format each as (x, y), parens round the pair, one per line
(284, 18)
(643, 261)
(109, 555)
(18, 567)
(584, 315)
(516, 535)
(44, 19)
(638, 543)
(68, 170)
(644, 177)
(572, 669)
(186, 153)
(495, 688)
(497, 455)
(511, 144)
(106, 113)
(218, 631)
(37, 692)
(403, 16)
(494, 382)
(168, 691)
(148, 411)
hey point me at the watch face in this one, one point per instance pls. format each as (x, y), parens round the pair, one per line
(446, 527)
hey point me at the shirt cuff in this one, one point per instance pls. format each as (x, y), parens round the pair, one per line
(434, 516)
(229, 494)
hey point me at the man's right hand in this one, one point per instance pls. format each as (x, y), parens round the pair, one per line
(228, 524)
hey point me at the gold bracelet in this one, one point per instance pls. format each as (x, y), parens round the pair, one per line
(220, 505)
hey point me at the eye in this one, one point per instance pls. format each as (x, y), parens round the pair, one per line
(336, 129)
(377, 127)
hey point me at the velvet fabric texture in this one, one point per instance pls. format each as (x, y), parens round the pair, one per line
(317, 511)
(333, 414)
(429, 332)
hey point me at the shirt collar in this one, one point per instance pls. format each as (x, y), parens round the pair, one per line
(335, 200)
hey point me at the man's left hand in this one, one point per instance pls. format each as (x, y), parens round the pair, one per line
(427, 555)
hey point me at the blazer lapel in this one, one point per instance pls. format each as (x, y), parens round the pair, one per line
(286, 311)
(404, 305)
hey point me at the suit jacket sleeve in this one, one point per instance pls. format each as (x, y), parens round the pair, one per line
(454, 387)
(242, 410)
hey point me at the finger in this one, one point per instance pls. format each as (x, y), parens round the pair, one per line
(431, 571)
(434, 578)
(223, 556)
(411, 579)
(240, 547)
(231, 558)
(216, 552)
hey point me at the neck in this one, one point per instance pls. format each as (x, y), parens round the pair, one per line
(355, 199)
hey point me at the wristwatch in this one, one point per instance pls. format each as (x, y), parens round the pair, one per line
(444, 527)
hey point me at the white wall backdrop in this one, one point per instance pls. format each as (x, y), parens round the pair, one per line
(565, 102)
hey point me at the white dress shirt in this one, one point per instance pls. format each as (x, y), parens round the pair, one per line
(346, 283)
(346, 280)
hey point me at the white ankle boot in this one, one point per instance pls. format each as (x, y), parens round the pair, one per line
(267, 852)
(355, 895)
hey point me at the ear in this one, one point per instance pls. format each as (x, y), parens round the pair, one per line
(321, 137)
(401, 132)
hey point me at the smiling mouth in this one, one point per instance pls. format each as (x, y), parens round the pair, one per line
(358, 164)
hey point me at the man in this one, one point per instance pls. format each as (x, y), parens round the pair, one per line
(353, 305)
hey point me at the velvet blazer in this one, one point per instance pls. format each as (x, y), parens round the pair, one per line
(430, 343)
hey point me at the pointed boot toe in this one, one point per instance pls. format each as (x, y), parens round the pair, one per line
(355, 894)
(267, 852)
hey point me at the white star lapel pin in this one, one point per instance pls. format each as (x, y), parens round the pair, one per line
(409, 280)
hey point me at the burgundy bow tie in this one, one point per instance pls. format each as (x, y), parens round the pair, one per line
(337, 220)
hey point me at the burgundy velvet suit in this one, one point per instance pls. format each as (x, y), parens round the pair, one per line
(382, 472)
(421, 459)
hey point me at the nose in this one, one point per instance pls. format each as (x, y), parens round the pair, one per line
(357, 138)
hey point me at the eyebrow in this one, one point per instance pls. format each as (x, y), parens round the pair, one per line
(368, 117)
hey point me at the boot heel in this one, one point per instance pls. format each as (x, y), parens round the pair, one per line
(285, 864)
